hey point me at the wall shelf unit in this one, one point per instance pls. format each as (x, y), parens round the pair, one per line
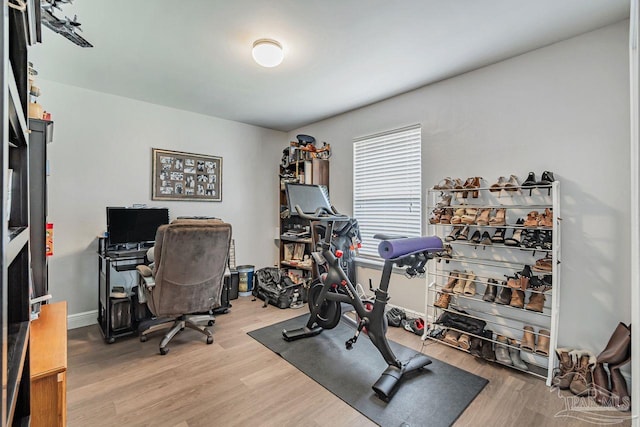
(534, 252)
(18, 28)
(295, 239)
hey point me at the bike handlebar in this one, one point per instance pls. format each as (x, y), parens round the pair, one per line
(322, 214)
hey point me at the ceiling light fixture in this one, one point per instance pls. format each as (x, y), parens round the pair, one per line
(267, 52)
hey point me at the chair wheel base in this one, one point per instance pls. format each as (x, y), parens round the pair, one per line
(209, 340)
(143, 338)
(164, 351)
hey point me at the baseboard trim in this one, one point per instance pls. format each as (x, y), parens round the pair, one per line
(79, 320)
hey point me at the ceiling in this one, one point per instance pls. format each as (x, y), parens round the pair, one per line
(340, 55)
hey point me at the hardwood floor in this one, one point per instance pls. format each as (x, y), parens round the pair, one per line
(238, 382)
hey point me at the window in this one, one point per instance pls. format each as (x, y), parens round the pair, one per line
(387, 190)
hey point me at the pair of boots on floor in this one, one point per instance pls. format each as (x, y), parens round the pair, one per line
(585, 375)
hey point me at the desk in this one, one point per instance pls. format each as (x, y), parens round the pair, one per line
(120, 261)
(48, 365)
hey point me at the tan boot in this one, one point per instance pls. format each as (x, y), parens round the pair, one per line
(543, 342)
(470, 285)
(443, 300)
(517, 298)
(453, 278)
(536, 302)
(566, 369)
(582, 380)
(528, 339)
(462, 280)
(451, 337)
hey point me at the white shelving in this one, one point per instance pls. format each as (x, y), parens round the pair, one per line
(499, 261)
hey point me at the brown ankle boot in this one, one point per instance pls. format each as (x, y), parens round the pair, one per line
(528, 339)
(543, 342)
(504, 297)
(443, 300)
(517, 298)
(462, 280)
(582, 380)
(453, 278)
(566, 369)
(536, 302)
(470, 285)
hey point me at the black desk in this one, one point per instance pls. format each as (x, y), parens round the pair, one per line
(125, 260)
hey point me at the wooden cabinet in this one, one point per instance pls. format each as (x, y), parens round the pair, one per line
(49, 366)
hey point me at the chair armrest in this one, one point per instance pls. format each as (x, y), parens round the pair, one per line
(147, 274)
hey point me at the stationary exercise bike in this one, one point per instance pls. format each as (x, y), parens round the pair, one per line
(334, 288)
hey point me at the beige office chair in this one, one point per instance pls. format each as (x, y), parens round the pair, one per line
(184, 283)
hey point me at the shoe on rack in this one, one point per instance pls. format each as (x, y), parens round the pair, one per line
(444, 202)
(486, 239)
(451, 282)
(566, 369)
(530, 181)
(483, 216)
(455, 232)
(542, 346)
(517, 298)
(470, 216)
(443, 300)
(445, 184)
(502, 352)
(470, 285)
(451, 337)
(457, 216)
(463, 342)
(513, 184)
(532, 219)
(464, 234)
(514, 354)
(536, 302)
(476, 237)
(504, 297)
(499, 218)
(546, 219)
(445, 216)
(547, 178)
(499, 185)
(475, 346)
(487, 346)
(498, 236)
(490, 291)
(460, 284)
(528, 342)
(544, 265)
(515, 239)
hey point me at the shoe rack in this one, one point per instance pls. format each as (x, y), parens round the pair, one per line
(504, 242)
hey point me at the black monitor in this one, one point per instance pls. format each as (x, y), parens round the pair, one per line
(134, 225)
(308, 197)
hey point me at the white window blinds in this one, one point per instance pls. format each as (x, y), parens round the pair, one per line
(387, 190)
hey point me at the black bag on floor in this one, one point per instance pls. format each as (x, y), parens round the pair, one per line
(273, 286)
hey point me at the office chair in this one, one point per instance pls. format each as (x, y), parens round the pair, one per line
(184, 283)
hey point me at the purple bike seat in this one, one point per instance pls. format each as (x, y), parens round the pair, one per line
(396, 248)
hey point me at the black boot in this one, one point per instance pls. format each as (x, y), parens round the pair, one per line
(487, 347)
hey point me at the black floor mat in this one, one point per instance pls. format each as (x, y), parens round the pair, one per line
(435, 396)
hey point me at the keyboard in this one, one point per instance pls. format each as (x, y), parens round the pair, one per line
(134, 253)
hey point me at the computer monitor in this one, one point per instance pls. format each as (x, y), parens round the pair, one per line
(134, 225)
(308, 197)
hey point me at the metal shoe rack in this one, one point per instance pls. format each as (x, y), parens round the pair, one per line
(497, 261)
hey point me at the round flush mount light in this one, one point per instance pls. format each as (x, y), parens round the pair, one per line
(267, 52)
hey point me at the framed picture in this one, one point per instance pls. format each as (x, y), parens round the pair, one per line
(186, 176)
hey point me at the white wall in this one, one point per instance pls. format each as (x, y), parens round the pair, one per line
(101, 156)
(563, 108)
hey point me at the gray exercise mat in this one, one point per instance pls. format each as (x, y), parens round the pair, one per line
(435, 396)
